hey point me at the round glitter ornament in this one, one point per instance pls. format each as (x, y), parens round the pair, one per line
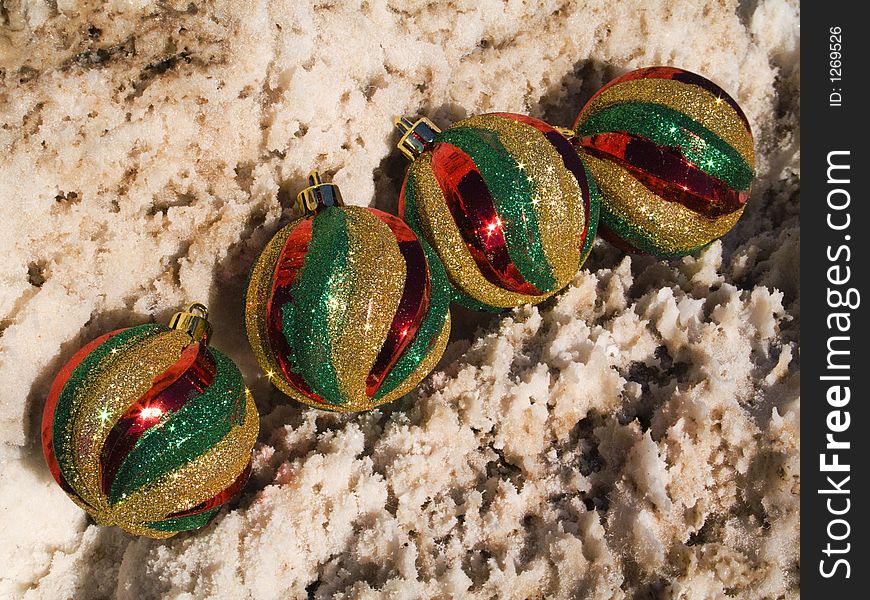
(150, 429)
(505, 202)
(346, 309)
(672, 155)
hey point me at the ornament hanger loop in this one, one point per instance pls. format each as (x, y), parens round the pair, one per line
(569, 134)
(417, 135)
(198, 307)
(318, 195)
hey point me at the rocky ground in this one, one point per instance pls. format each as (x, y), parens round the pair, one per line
(635, 437)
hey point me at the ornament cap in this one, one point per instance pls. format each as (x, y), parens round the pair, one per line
(417, 135)
(318, 194)
(193, 321)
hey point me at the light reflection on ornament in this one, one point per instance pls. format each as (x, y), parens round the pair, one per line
(490, 229)
(150, 413)
(368, 324)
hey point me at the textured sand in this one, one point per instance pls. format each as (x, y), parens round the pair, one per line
(636, 437)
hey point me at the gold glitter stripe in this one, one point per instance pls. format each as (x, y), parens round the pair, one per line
(441, 231)
(675, 228)
(424, 368)
(194, 483)
(256, 319)
(558, 199)
(366, 303)
(692, 100)
(106, 397)
(105, 519)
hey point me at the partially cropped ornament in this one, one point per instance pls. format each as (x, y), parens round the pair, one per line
(505, 202)
(672, 155)
(150, 429)
(346, 309)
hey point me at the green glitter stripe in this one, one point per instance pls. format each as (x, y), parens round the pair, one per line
(594, 214)
(305, 320)
(185, 523)
(186, 434)
(668, 127)
(88, 369)
(638, 238)
(511, 193)
(430, 328)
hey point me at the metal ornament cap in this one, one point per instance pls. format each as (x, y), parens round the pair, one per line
(318, 195)
(193, 321)
(417, 135)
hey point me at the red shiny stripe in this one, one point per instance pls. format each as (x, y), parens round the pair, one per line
(286, 271)
(51, 405)
(187, 378)
(676, 74)
(666, 173)
(221, 498)
(293, 254)
(473, 210)
(412, 306)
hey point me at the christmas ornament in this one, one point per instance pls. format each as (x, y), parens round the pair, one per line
(346, 309)
(672, 155)
(150, 429)
(505, 202)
